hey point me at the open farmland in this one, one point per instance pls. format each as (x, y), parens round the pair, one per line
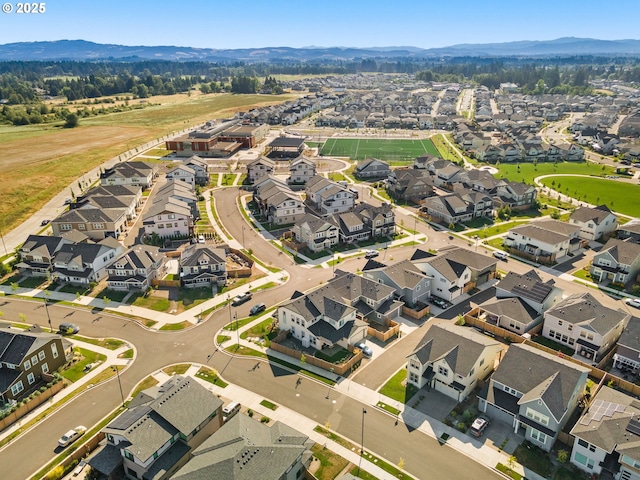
(390, 150)
(39, 161)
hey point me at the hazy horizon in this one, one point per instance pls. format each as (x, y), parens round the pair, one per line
(280, 23)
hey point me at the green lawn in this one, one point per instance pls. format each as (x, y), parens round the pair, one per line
(76, 371)
(526, 172)
(153, 303)
(211, 376)
(191, 297)
(619, 196)
(395, 389)
(393, 150)
(495, 229)
(534, 458)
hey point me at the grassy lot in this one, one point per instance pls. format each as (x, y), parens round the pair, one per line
(337, 177)
(534, 458)
(32, 176)
(179, 369)
(554, 345)
(76, 371)
(392, 150)
(113, 295)
(191, 297)
(211, 376)
(619, 196)
(246, 351)
(261, 329)
(126, 354)
(526, 172)
(110, 343)
(176, 326)
(331, 464)
(395, 388)
(143, 385)
(153, 303)
(486, 232)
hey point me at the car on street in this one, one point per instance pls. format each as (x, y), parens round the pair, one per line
(44, 222)
(257, 308)
(200, 238)
(240, 299)
(67, 328)
(439, 302)
(479, 425)
(71, 436)
(501, 255)
(68, 201)
(366, 350)
(371, 253)
(634, 302)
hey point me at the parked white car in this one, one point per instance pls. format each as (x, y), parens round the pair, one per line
(71, 436)
(500, 255)
(634, 302)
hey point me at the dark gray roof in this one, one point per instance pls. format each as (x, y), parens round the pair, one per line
(473, 260)
(245, 449)
(528, 285)
(537, 374)
(16, 345)
(511, 307)
(193, 254)
(586, 311)
(462, 347)
(630, 337)
(623, 252)
(287, 142)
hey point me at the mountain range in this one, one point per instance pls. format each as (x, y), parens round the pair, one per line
(80, 50)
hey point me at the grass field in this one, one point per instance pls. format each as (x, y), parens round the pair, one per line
(393, 150)
(620, 197)
(39, 161)
(526, 172)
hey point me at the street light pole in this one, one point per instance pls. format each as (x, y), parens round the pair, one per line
(329, 391)
(243, 237)
(235, 316)
(364, 411)
(115, 367)
(48, 316)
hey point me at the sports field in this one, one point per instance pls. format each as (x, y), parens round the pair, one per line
(390, 150)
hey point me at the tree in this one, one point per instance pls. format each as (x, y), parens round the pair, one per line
(71, 121)
(563, 456)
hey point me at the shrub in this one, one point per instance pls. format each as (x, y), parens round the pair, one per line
(461, 426)
(250, 412)
(265, 419)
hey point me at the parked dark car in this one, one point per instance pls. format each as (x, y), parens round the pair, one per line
(439, 302)
(68, 328)
(44, 222)
(256, 309)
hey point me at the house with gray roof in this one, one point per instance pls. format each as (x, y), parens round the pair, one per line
(169, 217)
(533, 392)
(200, 168)
(410, 185)
(202, 266)
(411, 285)
(584, 324)
(278, 204)
(134, 173)
(27, 360)
(530, 288)
(338, 312)
(260, 168)
(317, 233)
(627, 356)
(543, 241)
(618, 261)
(630, 230)
(37, 254)
(301, 170)
(246, 449)
(96, 223)
(371, 168)
(84, 263)
(450, 277)
(136, 268)
(182, 173)
(512, 314)
(327, 197)
(161, 427)
(607, 436)
(452, 359)
(595, 223)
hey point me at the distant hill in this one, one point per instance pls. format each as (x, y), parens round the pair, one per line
(82, 50)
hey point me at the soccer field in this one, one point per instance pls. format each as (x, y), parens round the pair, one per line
(389, 150)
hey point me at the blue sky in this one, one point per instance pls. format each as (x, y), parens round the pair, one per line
(326, 23)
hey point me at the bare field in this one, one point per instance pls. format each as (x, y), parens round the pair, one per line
(40, 161)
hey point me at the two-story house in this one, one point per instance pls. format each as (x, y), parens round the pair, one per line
(411, 285)
(450, 278)
(372, 168)
(260, 168)
(607, 435)
(127, 197)
(277, 203)
(584, 324)
(135, 173)
(168, 218)
(327, 196)
(618, 261)
(201, 169)
(410, 185)
(543, 241)
(317, 233)
(530, 288)
(247, 448)
(595, 223)
(136, 268)
(452, 359)
(533, 392)
(162, 425)
(84, 263)
(95, 223)
(182, 173)
(201, 265)
(301, 170)
(627, 356)
(26, 357)
(37, 253)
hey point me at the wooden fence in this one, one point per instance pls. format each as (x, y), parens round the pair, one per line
(35, 402)
(338, 369)
(394, 329)
(157, 283)
(416, 314)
